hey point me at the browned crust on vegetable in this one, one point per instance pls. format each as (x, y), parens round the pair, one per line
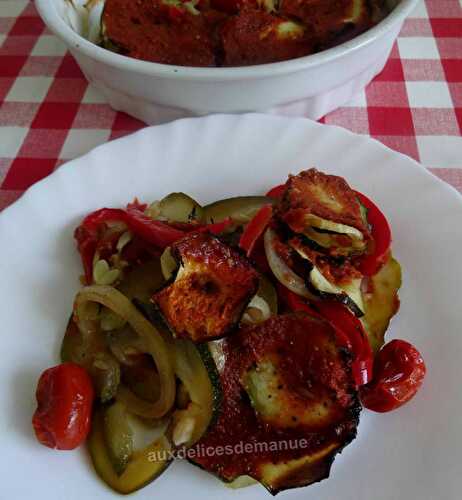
(338, 204)
(309, 352)
(211, 291)
(335, 272)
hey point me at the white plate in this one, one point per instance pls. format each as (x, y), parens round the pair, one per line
(413, 453)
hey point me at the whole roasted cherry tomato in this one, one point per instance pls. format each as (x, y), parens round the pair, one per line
(64, 402)
(399, 370)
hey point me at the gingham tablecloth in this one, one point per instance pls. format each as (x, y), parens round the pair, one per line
(49, 114)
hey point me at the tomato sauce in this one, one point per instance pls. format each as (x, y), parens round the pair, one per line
(308, 358)
(232, 32)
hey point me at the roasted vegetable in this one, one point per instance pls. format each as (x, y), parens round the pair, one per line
(142, 280)
(64, 406)
(211, 290)
(314, 201)
(381, 302)
(196, 371)
(90, 351)
(299, 389)
(152, 341)
(240, 209)
(142, 467)
(118, 436)
(176, 207)
(349, 292)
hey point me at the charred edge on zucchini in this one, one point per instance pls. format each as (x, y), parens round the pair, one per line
(217, 394)
(240, 421)
(348, 293)
(211, 289)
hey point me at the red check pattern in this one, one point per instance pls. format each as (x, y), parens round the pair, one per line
(49, 114)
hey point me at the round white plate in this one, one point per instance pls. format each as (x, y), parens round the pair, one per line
(412, 453)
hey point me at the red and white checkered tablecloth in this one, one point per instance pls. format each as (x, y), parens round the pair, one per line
(49, 114)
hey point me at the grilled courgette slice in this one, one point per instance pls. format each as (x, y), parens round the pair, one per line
(315, 202)
(348, 293)
(176, 207)
(381, 302)
(240, 209)
(136, 470)
(211, 290)
(289, 404)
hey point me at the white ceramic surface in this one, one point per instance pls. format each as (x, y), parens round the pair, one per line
(411, 454)
(309, 86)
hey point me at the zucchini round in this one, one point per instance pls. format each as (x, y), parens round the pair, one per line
(240, 209)
(177, 207)
(143, 466)
(295, 444)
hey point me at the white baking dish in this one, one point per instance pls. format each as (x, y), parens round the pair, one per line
(310, 86)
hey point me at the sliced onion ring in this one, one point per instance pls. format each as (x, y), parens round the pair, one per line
(281, 270)
(151, 338)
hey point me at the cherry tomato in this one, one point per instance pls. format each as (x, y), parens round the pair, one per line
(381, 233)
(255, 228)
(399, 370)
(64, 402)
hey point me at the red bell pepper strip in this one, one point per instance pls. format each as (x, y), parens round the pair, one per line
(86, 244)
(215, 227)
(277, 191)
(342, 319)
(255, 228)
(381, 233)
(349, 330)
(137, 204)
(156, 233)
(153, 231)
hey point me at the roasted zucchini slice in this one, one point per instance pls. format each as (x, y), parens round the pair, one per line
(289, 404)
(176, 207)
(211, 290)
(240, 209)
(381, 302)
(348, 293)
(320, 202)
(140, 468)
(118, 436)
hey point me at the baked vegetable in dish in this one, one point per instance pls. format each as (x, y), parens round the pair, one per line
(224, 32)
(211, 290)
(284, 381)
(241, 335)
